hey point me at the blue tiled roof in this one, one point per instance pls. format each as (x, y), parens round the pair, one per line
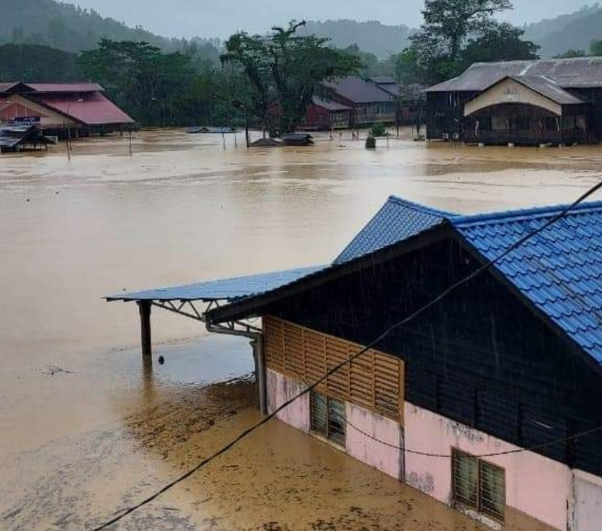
(396, 221)
(223, 290)
(559, 270)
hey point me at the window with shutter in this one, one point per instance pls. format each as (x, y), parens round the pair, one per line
(479, 485)
(328, 417)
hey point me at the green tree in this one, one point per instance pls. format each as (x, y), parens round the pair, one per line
(457, 33)
(569, 54)
(283, 69)
(499, 43)
(595, 48)
(149, 84)
(451, 22)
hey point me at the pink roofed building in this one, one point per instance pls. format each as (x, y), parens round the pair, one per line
(59, 108)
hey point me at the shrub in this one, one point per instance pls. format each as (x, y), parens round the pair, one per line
(370, 142)
(378, 130)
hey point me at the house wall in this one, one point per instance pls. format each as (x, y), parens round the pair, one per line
(509, 91)
(365, 430)
(536, 487)
(586, 510)
(481, 357)
(280, 389)
(375, 440)
(23, 107)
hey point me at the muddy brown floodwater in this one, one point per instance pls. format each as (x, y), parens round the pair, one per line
(85, 431)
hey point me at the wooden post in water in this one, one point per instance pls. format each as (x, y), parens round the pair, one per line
(145, 329)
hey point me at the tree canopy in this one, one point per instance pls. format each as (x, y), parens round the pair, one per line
(457, 33)
(32, 63)
(283, 70)
(154, 87)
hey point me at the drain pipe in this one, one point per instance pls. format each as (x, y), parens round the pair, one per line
(258, 357)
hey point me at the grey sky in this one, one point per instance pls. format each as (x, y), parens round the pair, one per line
(220, 18)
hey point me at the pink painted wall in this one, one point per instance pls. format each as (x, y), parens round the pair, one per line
(535, 485)
(387, 459)
(280, 389)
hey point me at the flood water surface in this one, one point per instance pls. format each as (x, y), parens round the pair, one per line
(87, 431)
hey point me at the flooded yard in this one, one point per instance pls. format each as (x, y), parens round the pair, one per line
(86, 431)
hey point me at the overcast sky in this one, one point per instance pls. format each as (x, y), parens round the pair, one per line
(221, 18)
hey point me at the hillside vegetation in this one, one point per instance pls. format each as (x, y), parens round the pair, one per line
(72, 29)
(575, 31)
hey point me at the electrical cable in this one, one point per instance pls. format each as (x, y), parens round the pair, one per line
(386, 333)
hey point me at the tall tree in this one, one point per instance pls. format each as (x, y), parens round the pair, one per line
(284, 69)
(502, 42)
(457, 33)
(453, 21)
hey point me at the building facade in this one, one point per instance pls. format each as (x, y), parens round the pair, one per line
(552, 101)
(488, 401)
(58, 109)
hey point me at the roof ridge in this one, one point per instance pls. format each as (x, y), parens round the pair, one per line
(421, 208)
(533, 213)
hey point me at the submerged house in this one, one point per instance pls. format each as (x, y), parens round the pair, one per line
(489, 401)
(549, 101)
(325, 115)
(61, 108)
(369, 103)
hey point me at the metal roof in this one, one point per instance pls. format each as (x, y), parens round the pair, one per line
(549, 88)
(357, 90)
(397, 220)
(559, 270)
(579, 72)
(229, 290)
(94, 109)
(330, 105)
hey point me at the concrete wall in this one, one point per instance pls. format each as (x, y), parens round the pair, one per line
(280, 389)
(535, 486)
(510, 91)
(364, 431)
(587, 507)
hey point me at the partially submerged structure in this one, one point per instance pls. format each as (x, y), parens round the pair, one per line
(368, 102)
(551, 101)
(23, 137)
(488, 402)
(79, 109)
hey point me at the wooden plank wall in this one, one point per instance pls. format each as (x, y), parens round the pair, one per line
(374, 381)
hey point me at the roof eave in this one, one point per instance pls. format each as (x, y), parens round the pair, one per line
(252, 307)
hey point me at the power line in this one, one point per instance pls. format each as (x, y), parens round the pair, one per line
(349, 360)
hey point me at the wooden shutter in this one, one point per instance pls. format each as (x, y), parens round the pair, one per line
(374, 380)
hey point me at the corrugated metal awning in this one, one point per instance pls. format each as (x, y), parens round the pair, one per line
(230, 289)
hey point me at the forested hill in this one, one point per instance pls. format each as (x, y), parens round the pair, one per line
(371, 37)
(72, 29)
(575, 31)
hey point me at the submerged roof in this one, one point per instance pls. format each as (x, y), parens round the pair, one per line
(92, 109)
(230, 289)
(579, 72)
(559, 270)
(357, 90)
(397, 220)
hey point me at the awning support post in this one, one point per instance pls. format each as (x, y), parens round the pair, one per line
(260, 374)
(145, 328)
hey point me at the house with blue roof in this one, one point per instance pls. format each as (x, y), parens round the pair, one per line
(489, 402)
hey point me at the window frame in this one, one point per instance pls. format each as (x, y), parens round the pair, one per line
(336, 437)
(480, 505)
